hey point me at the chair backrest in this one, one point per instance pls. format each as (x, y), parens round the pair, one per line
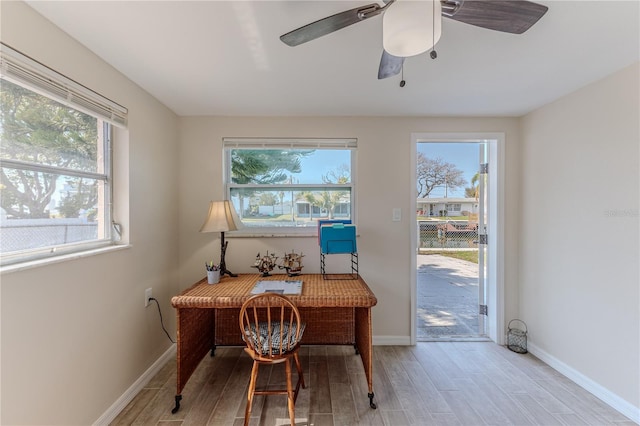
(270, 325)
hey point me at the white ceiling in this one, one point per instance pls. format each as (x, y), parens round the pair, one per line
(225, 57)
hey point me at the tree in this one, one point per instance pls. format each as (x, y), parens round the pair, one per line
(36, 130)
(473, 190)
(329, 199)
(82, 197)
(264, 167)
(433, 173)
(340, 175)
(267, 199)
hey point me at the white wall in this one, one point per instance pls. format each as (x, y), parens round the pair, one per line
(76, 335)
(383, 182)
(579, 276)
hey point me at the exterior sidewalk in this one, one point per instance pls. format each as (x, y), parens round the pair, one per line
(447, 298)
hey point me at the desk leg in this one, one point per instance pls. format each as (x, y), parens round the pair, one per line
(365, 347)
(177, 407)
(195, 337)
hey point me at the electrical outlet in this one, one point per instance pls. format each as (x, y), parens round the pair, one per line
(147, 295)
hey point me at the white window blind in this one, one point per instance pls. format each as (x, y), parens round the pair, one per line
(23, 70)
(299, 143)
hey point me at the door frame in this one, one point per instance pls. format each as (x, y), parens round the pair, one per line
(495, 324)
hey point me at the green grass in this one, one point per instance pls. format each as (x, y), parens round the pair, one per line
(469, 256)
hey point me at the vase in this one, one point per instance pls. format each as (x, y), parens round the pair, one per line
(213, 277)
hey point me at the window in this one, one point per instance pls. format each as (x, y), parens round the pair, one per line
(283, 186)
(456, 207)
(55, 162)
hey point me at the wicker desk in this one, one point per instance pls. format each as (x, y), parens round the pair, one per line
(336, 312)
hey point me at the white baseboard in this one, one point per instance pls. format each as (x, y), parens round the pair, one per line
(135, 388)
(608, 397)
(391, 340)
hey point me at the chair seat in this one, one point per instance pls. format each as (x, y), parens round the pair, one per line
(261, 341)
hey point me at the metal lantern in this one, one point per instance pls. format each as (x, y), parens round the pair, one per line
(517, 336)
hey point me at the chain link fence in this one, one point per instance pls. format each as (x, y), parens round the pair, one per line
(23, 234)
(447, 234)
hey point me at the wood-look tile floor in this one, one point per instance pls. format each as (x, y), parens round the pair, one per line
(432, 383)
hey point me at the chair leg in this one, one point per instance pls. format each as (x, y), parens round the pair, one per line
(251, 392)
(290, 397)
(299, 368)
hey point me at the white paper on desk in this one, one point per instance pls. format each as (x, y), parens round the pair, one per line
(278, 286)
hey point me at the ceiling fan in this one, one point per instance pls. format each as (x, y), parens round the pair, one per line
(411, 27)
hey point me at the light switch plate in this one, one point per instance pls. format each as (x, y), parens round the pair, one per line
(396, 215)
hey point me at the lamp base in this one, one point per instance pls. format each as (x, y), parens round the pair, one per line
(224, 271)
(223, 264)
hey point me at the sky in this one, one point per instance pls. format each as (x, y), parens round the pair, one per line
(320, 163)
(463, 155)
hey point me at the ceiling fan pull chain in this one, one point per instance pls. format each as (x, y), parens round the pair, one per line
(402, 82)
(433, 52)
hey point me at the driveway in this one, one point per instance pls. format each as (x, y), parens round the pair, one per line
(447, 297)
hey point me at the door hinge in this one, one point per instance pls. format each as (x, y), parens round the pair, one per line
(483, 310)
(484, 168)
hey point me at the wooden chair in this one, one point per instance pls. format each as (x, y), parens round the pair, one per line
(271, 327)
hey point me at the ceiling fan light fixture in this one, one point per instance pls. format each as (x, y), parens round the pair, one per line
(410, 28)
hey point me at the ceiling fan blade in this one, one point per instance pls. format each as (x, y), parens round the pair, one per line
(509, 16)
(331, 23)
(389, 65)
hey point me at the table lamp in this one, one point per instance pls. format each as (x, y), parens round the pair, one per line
(222, 217)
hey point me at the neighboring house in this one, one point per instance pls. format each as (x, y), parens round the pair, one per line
(276, 209)
(446, 206)
(305, 209)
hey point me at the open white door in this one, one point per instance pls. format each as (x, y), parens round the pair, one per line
(483, 227)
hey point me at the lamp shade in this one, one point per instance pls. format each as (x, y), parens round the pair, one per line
(222, 217)
(409, 27)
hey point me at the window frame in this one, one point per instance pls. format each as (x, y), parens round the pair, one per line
(32, 75)
(229, 144)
